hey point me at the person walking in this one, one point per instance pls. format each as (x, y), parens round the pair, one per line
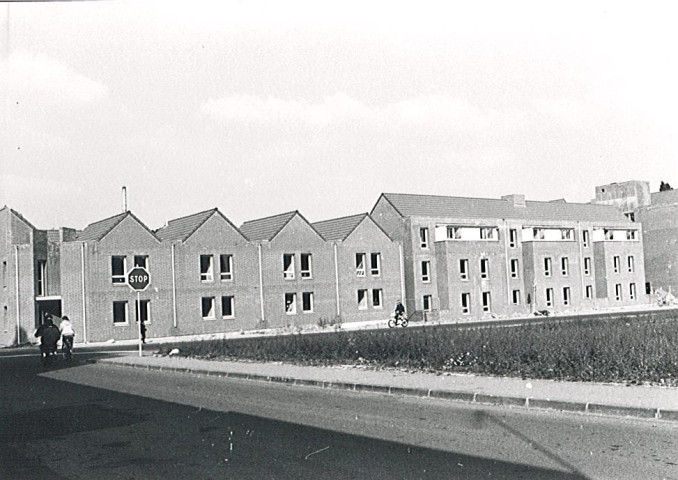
(67, 336)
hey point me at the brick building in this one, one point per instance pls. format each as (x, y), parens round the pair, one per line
(476, 257)
(657, 212)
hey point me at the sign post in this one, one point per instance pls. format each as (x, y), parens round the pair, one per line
(138, 279)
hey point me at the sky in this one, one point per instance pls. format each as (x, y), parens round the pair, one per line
(265, 107)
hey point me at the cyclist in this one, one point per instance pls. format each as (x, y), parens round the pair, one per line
(49, 336)
(67, 335)
(399, 311)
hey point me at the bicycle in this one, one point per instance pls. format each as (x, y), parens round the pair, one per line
(67, 347)
(398, 320)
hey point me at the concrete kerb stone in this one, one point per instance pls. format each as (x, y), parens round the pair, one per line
(468, 397)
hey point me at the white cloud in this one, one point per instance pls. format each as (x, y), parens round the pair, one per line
(39, 79)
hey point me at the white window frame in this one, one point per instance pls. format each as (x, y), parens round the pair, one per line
(307, 297)
(566, 234)
(616, 263)
(486, 301)
(141, 261)
(484, 268)
(466, 303)
(230, 300)
(360, 265)
(288, 267)
(212, 308)
(119, 278)
(631, 263)
(632, 291)
(564, 266)
(375, 264)
(515, 297)
(226, 260)
(427, 303)
(618, 292)
(42, 278)
(588, 291)
(426, 271)
(548, 264)
(463, 268)
(566, 295)
(549, 297)
(587, 266)
(585, 238)
(126, 312)
(207, 274)
(423, 237)
(515, 268)
(290, 303)
(142, 304)
(513, 237)
(362, 299)
(487, 233)
(377, 298)
(308, 271)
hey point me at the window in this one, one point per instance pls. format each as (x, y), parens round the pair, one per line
(514, 268)
(360, 264)
(564, 266)
(484, 267)
(486, 302)
(632, 291)
(589, 291)
(226, 267)
(538, 233)
(206, 268)
(566, 295)
(585, 238)
(587, 265)
(463, 269)
(616, 261)
(513, 238)
(423, 237)
(4, 274)
(118, 269)
(549, 297)
(427, 303)
(119, 313)
(375, 264)
(631, 216)
(547, 266)
(566, 234)
(487, 233)
(141, 261)
(453, 233)
(288, 266)
(143, 310)
(648, 288)
(631, 263)
(362, 299)
(618, 292)
(466, 303)
(227, 306)
(631, 234)
(307, 302)
(42, 278)
(208, 308)
(377, 300)
(290, 304)
(426, 271)
(609, 234)
(306, 266)
(515, 297)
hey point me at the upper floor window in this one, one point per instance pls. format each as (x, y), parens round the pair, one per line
(513, 237)
(118, 269)
(426, 271)
(547, 266)
(589, 291)
(423, 237)
(515, 267)
(585, 238)
(631, 216)
(141, 261)
(487, 233)
(484, 267)
(538, 233)
(226, 267)
(288, 266)
(42, 278)
(564, 266)
(206, 268)
(616, 261)
(360, 259)
(587, 265)
(463, 269)
(306, 266)
(632, 234)
(453, 233)
(4, 274)
(631, 263)
(609, 234)
(375, 264)
(566, 234)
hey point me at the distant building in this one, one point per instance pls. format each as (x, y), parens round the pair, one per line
(477, 257)
(657, 212)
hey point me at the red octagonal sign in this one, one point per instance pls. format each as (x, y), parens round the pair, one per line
(138, 279)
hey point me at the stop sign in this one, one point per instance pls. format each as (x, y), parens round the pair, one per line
(138, 279)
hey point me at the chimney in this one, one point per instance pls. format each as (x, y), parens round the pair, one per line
(124, 199)
(515, 199)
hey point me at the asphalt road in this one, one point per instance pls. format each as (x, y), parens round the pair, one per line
(95, 421)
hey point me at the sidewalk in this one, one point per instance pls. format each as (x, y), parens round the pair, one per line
(605, 399)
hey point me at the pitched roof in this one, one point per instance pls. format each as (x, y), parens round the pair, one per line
(19, 216)
(183, 227)
(268, 227)
(410, 205)
(98, 230)
(339, 228)
(665, 197)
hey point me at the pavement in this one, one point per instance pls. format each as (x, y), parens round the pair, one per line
(649, 402)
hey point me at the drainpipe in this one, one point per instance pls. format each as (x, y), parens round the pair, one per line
(261, 286)
(506, 264)
(402, 273)
(18, 305)
(581, 263)
(336, 278)
(174, 291)
(84, 301)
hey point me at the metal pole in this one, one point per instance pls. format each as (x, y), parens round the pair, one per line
(18, 303)
(139, 321)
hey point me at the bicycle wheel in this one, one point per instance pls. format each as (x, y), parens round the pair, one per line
(391, 323)
(404, 322)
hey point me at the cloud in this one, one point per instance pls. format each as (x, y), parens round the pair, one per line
(39, 79)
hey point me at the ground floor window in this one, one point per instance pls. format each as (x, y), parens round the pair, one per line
(589, 291)
(515, 296)
(119, 313)
(377, 298)
(362, 299)
(227, 306)
(566, 295)
(618, 292)
(632, 291)
(487, 306)
(143, 311)
(466, 303)
(428, 303)
(549, 297)
(290, 304)
(208, 308)
(307, 302)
